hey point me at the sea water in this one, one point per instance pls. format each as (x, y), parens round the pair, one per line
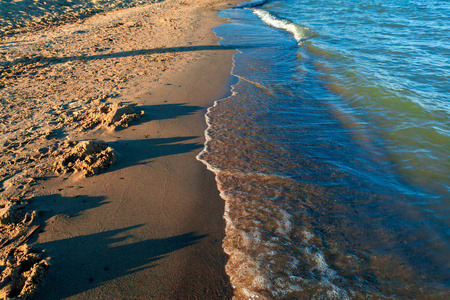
(332, 153)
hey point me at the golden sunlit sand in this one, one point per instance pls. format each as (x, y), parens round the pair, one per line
(101, 194)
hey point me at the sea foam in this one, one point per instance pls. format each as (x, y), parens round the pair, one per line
(300, 33)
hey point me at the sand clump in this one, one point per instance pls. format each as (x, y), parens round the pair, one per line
(22, 271)
(22, 268)
(88, 157)
(23, 163)
(9, 213)
(57, 87)
(113, 116)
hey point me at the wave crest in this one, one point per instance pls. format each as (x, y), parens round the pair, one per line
(301, 33)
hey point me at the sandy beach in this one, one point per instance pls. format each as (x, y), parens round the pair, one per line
(134, 216)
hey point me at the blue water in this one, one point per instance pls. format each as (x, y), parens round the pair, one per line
(332, 154)
(390, 61)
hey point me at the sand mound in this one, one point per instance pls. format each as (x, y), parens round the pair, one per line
(114, 116)
(22, 270)
(89, 157)
(10, 213)
(54, 85)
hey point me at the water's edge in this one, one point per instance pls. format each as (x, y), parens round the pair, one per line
(324, 217)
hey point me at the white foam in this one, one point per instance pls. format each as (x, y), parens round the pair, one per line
(300, 33)
(285, 224)
(261, 265)
(307, 236)
(322, 266)
(261, 282)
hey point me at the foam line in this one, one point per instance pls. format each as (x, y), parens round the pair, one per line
(300, 33)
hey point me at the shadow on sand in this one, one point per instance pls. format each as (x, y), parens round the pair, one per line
(169, 111)
(51, 205)
(81, 263)
(146, 149)
(45, 60)
(108, 255)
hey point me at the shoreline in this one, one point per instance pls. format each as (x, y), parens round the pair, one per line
(151, 226)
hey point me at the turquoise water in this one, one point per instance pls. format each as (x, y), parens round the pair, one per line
(390, 62)
(332, 154)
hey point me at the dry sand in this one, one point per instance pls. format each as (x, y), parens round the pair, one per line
(101, 123)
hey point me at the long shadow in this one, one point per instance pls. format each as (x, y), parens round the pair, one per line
(84, 262)
(57, 60)
(133, 152)
(159, 112)
(51, 205)
(169, 111)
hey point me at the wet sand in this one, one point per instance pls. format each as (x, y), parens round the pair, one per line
(151, 225)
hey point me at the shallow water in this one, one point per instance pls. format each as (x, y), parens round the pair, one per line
(332, 152)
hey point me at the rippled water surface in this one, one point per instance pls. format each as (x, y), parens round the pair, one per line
(332, 154)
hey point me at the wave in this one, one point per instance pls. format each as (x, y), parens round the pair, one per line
(301, 33)
(309, 213)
